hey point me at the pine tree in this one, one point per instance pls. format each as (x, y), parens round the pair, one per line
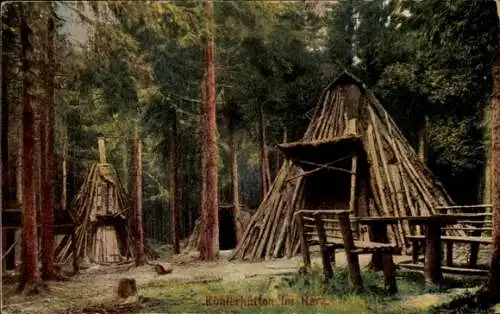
(48, 154)
(30, 275)
(210, 202)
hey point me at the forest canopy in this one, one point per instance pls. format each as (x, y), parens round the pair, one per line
(139, 65)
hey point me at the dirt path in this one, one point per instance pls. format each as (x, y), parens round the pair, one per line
(97, 284)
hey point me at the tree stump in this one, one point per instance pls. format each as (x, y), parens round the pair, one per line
(126, 288)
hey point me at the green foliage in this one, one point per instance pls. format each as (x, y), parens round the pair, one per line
(425, 58)
(142, 67)
(453, 145)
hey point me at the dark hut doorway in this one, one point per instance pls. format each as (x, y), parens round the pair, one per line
(329, 188)
(227, 233)
(328, 167)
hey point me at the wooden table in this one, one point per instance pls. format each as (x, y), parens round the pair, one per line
(433, 245)
(377, 229)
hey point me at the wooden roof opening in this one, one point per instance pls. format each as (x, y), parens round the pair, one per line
(323, 153)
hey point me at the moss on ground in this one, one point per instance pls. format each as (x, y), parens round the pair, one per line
(301, 293)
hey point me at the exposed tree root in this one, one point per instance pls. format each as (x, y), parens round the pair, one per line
(32, 288)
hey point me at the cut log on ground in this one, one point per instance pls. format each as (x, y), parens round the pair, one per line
(162, 268)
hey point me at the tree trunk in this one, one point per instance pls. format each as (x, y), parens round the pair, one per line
(20, 165)
(64, 153)
(47, 209)
(493, 284)
(210, 201)
(4, 138)
(137, 202)
(484, 191)
(280, 154)
(265, 179)
(5, 128)
(422, 140)
(125, 166)
(173, 183)
(30, 276)
(8, 167)
(235, 184)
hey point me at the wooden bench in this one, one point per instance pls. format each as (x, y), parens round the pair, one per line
(331, 230)
(474, 224)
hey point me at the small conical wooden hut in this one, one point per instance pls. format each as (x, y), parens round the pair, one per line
(100, 211)
(103, 218)
(352, 156)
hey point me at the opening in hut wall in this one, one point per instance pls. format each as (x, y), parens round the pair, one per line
(328, 189)
(227, 234)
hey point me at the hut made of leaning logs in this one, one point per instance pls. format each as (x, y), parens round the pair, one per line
(103, 218)
(352, 156)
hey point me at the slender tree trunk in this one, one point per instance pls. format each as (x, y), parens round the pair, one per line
(47, 210)
(8, 165)
(203, 151)
(422, 140)
(493, 284)
(30, 276)
(64, 153)
(20, 164)
(125, 166)
(235, 183)
(280, 154)
(4, 138)
(210, 200)
(265, 179)
(173, 183)
(137, 202)
(5, 129)
(492, 288)
(485, 191)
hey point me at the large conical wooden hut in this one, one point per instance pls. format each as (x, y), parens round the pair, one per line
(352, 156)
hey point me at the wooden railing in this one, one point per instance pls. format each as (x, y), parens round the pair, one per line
(331, 230)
